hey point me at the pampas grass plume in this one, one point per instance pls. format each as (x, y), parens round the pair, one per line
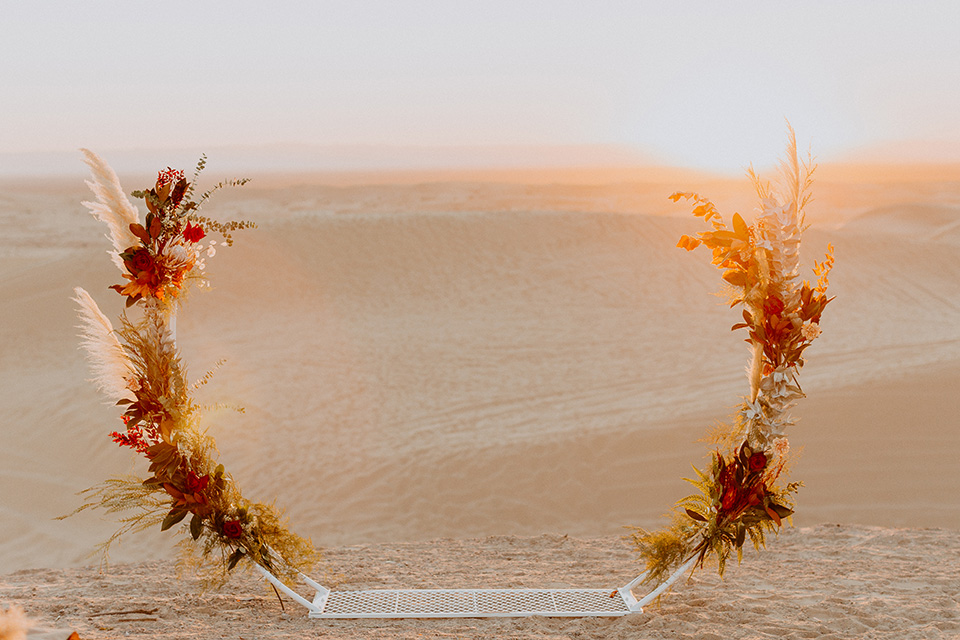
(109, 363)
(14, 624)
(112, 206)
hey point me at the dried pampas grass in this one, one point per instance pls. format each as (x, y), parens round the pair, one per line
(14, 624)
(111, 368)
(112, 206)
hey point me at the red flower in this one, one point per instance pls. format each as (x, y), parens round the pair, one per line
(195, 484)
(141, 261)
(232, 529)
(757, 461)
(168, 176)
(773, 305)
(193, 233)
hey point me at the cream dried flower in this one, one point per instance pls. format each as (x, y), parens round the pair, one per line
(810, 331)
(781, 447)
(177, 253)
(177, 257)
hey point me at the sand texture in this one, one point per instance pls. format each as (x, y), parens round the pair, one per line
(825, 582)
(498, 363)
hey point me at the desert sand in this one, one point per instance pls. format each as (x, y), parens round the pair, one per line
(828, 581)
(456, 372)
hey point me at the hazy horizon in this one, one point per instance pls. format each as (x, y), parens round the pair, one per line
(564, 163)
(443, 84)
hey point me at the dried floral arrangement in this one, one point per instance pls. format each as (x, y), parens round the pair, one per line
(137, 365)
(741, 492)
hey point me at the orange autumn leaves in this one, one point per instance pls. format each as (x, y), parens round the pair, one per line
(784, 322)
(741, 492)
(168, 249)
(733, 251)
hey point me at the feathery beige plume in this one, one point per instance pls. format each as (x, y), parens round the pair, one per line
(790, 172)
(109, 363)
(112, 206)
(14, 623)
(796, 178)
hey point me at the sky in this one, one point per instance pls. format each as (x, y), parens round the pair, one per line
(699, 84)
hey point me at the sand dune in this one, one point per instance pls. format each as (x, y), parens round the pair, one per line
(933, 222)
(451, 359)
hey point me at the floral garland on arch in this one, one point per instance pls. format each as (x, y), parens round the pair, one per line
(137, 366)
(741, 492)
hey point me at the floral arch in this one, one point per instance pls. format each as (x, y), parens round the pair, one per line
(742, 492)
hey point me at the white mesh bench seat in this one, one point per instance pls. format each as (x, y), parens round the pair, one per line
(474, 603)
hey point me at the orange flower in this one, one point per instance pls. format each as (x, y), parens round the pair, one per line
(195, 502)
(145, 284)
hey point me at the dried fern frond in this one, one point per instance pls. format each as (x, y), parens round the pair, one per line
(153, 356)
(664, 551)
(289, 553)
(147, 502)
(276, 548)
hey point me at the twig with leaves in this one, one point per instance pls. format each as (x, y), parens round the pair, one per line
(137, 365)
(741, 493)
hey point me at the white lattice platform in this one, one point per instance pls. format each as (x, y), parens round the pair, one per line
(472, 603)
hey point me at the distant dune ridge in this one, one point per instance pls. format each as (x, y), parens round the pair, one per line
(311, 158)
(462, 359)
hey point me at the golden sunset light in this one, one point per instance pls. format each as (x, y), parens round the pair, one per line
(480, 320)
